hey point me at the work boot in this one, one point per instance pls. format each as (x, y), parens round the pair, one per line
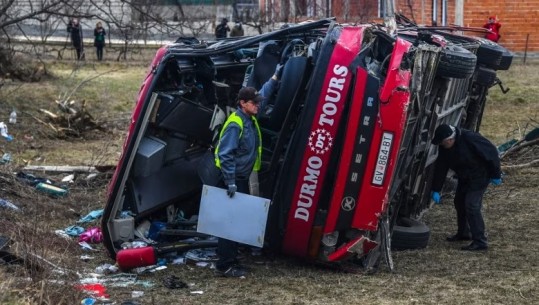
(233, 271)
(475, 247)
(458, 237)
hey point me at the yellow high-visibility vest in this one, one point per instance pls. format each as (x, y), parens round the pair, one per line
(234, 118)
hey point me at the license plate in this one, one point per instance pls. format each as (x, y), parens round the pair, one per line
(383, 159)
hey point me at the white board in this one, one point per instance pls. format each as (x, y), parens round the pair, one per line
(241, 218)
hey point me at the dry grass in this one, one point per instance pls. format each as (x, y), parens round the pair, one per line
(440, 274)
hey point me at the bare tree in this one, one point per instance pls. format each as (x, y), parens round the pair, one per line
(14, 14)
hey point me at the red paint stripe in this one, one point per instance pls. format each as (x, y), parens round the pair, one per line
(348, 149)
(299, 227)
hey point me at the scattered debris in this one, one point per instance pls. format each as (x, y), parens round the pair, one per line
(202, 255)
(178, 261)
(137, 294)
(13, 117)
(74, 230)
(173, 282)
(115, 280)
(84, 245)
(69, 178)
(96, 290)
(72, 119)
(159, 268)
(7, 204)
(62, 234)
(93, 215)
(86, 258)
(88, 301)
(62, 168)
(134, 244)
(106, 269)
(91, 235)
(91, 176)
(52, 190)
(143, 270)
(31, 179)
(203, 264)
(6, 158)
(4, 132)
(521, 152)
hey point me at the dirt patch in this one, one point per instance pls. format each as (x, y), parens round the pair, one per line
(439, 274)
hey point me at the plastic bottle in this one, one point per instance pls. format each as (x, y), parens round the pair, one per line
(51, 189)
(13, 117)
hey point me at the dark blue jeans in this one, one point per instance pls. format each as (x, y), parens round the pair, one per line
(99, 52)
(469, 218)
(227, 249)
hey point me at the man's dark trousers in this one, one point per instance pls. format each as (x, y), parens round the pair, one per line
(469, 218)
(227, 249)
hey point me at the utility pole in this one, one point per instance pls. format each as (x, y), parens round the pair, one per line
(389, 17)
(327, 8)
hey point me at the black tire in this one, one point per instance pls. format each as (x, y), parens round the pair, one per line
(489, 53)
(456, 62)
(485, 76)
(409, 234)
(506, 61)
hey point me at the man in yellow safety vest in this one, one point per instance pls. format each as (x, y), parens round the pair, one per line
(237, 154)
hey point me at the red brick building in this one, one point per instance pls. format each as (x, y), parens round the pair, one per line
(519, 18)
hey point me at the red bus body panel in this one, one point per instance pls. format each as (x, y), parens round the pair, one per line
(394, 100)
(323, 131)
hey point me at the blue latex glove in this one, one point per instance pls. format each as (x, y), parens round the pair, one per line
(436, 197)
(496, 181)
(232, 188)
(279, 70)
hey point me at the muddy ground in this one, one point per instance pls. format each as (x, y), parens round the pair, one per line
(440, 274)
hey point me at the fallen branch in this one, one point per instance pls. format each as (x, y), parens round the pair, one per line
(523, 165)
(45, 123)
(49, 114)
(519, 146)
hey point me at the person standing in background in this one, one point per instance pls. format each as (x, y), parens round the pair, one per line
(494, 26)
(99, 40)
(75, 30)
(222, 29)
(237, 30)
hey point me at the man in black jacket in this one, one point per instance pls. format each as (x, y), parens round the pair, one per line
(75, 30)
(476, 162)
(222, 29)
